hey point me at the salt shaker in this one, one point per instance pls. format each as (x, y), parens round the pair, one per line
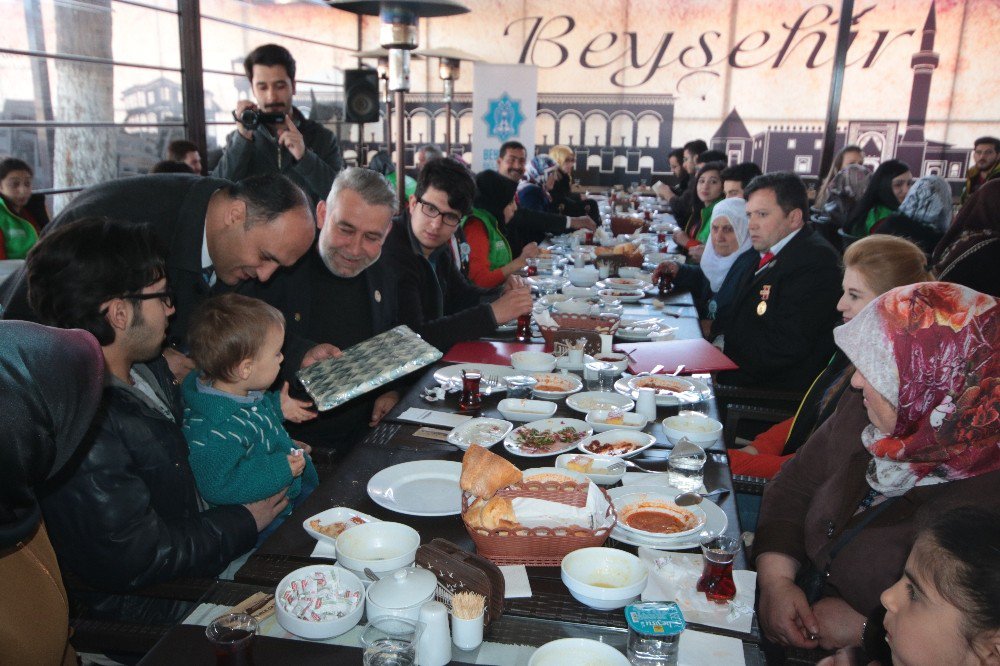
(606, 339)
(434, 647)
(645, 404)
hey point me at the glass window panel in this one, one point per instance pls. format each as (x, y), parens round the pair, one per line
(102, 29)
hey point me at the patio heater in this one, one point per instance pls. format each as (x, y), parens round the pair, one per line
(398, 34)
(448, 71)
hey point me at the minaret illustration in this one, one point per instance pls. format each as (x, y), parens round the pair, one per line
(913, 144)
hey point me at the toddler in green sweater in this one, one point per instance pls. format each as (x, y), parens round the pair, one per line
(239, 451)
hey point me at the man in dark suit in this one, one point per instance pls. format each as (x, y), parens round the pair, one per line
(339, 294)
(215, 233)
(781, 333)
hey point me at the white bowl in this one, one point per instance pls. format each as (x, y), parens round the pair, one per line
(631, 421)
(517, 409)
(568, 383)
(617, 359)
(581, 651)
(698, 428)
(583, 277)
(532, 361)
(322, 629)
(658, 502)
(640, 441)
(573, 306)
(379, 546)
(598, 473)
(578, 292)
(589, 401)
(629, 272)
(482, 431)
(604, 578)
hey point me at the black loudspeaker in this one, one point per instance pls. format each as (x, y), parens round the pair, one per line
(361, 95)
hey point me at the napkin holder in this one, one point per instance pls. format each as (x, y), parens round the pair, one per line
(579, 325)
(539, 546)
(458, 570)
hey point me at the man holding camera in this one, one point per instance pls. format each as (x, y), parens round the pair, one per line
(272, 136)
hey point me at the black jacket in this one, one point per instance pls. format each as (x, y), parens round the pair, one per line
(532, 226)
(174, 205)
(436, 301)
(787, 345)
(126, 513)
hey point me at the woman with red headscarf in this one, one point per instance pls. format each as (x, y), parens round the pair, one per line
(921, 436)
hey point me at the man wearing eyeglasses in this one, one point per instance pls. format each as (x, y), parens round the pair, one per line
(435, 299)
(127, 514)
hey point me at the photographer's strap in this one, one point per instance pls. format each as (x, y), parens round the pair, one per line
(846, 536)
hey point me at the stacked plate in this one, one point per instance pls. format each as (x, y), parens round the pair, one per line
(715, 520)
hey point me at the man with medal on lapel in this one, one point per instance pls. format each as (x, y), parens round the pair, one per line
(781, 334)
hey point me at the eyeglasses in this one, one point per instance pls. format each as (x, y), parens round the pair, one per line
(166, 297)
(432, 211)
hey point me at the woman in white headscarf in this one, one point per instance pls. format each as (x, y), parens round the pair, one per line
(727, 258)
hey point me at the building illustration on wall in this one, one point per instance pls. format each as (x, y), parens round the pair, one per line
(798, 148)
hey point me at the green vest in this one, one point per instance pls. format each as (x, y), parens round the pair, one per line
(876, 214)
(500, 254)
(409, 185)
(18, 234)
(706, 225)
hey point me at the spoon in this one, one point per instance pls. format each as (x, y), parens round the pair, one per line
(678, 370)
(692, 498)
(371, 574)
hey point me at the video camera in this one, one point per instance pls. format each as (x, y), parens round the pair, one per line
(251, 118)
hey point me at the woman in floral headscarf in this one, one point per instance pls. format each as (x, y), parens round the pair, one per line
(534, 192)
(837, 522)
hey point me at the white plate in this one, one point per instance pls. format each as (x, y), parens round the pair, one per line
(625, 283)
(622, 295)
(715, 523)
(633, 421)
(589, 401)
(482, 431)
(452, 374)
(645, 333)
(582, 651)
(563, 363)
(338, 514)
(669, 385)
(512, 445)
(700, 392)
(595, 475)
(621, 502)
(419, 488)
(572, 383)
(639, 440)
(517, 409)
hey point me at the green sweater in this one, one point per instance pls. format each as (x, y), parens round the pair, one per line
(238, 449)
(16, 233)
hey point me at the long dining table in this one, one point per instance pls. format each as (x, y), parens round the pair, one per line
(548, 614)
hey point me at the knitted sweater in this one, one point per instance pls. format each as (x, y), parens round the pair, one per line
(238, 449)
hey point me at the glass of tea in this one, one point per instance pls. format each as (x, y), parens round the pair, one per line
(472, 397)
(232, 637)
(716, 579)
(531, 266)
(523, 333)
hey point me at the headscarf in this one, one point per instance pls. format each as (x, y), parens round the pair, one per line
(52, 381)
(539, 169)
(929, 202)
(493, 193)
(977, 220)
(878, 193)
(714, 267)
(931, 349)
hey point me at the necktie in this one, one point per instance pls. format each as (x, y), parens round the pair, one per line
(208, 274)
(765, 259)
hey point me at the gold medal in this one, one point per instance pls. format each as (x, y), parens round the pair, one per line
(761, 308)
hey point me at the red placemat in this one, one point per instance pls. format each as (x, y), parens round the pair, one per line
(698, 356)
(496, 353)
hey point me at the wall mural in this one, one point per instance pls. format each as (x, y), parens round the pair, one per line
(622, 83)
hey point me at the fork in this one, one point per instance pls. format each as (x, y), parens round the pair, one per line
(620, 466)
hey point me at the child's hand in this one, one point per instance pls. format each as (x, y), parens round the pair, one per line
(296, 411)
(297, 463)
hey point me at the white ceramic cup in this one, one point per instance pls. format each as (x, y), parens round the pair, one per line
(576, 356)
(467, 634)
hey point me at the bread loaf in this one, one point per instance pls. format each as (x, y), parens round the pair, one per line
(484, 473)
(499, 514)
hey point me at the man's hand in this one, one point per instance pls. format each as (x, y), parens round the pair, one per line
(266, 510)
(383, 405)
(663, 190)
(582, 222)
(531, 250)
(294, 410)
(515, 282)
(242, 106)
(513, 304)
(179, 364)
(670, 268)
(290, 137)
(695, 252)
(839, 624)
(320, 352)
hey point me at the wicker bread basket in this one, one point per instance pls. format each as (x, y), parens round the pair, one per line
(538, 546)
(606, 323)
